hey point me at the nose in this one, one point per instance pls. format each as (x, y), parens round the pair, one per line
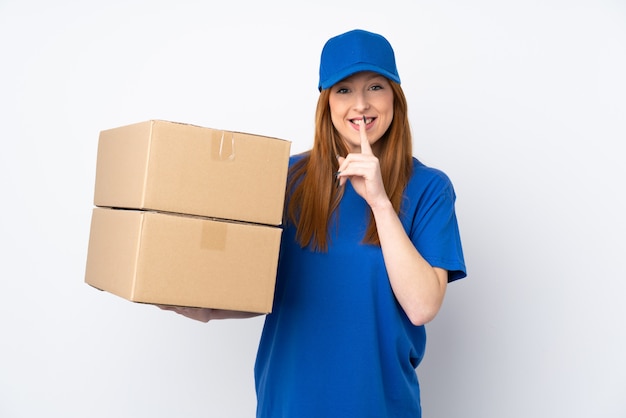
(361, 102)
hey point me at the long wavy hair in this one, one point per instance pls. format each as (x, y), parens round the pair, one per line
(314, 194)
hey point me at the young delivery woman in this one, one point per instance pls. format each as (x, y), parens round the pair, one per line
(370, 242)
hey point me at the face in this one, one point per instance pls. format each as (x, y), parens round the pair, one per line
(363, 94)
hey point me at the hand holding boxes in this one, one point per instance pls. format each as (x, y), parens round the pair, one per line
(188, 216)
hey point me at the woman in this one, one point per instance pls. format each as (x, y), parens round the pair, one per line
(370, 242)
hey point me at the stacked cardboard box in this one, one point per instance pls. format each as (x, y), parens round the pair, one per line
(186, 215)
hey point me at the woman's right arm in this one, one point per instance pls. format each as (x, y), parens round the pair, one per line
(208, 314)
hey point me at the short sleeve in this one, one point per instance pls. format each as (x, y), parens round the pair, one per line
(434, 229)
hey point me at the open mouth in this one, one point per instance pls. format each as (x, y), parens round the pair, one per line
(359, 121)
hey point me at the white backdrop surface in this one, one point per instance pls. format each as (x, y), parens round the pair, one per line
(523, 104)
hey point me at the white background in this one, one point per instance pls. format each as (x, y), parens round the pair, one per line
(522, 103)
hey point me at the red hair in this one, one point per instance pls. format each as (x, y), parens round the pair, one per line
(314, 195)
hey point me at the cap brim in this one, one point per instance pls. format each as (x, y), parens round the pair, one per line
(353, 69)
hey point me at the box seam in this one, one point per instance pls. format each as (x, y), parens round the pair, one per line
(133, 287)
(144, 189)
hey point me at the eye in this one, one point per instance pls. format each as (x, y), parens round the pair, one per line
(342, 90)
(376, 87)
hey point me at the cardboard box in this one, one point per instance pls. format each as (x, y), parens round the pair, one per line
(175, 167)
(171, 259)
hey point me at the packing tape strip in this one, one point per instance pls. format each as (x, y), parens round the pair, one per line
(222, 150)
(214, 235)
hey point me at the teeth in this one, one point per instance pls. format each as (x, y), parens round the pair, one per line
(360, 121)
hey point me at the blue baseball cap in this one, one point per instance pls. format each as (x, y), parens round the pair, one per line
(355, 51)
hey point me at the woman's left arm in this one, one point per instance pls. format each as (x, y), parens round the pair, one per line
(418, 287)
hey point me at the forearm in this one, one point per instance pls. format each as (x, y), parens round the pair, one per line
(208, 314)
(418, 287)
(226, 314)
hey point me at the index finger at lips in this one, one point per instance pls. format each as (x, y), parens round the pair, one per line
(365, 145)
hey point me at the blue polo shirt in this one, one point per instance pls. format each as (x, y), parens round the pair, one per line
(337, 343)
